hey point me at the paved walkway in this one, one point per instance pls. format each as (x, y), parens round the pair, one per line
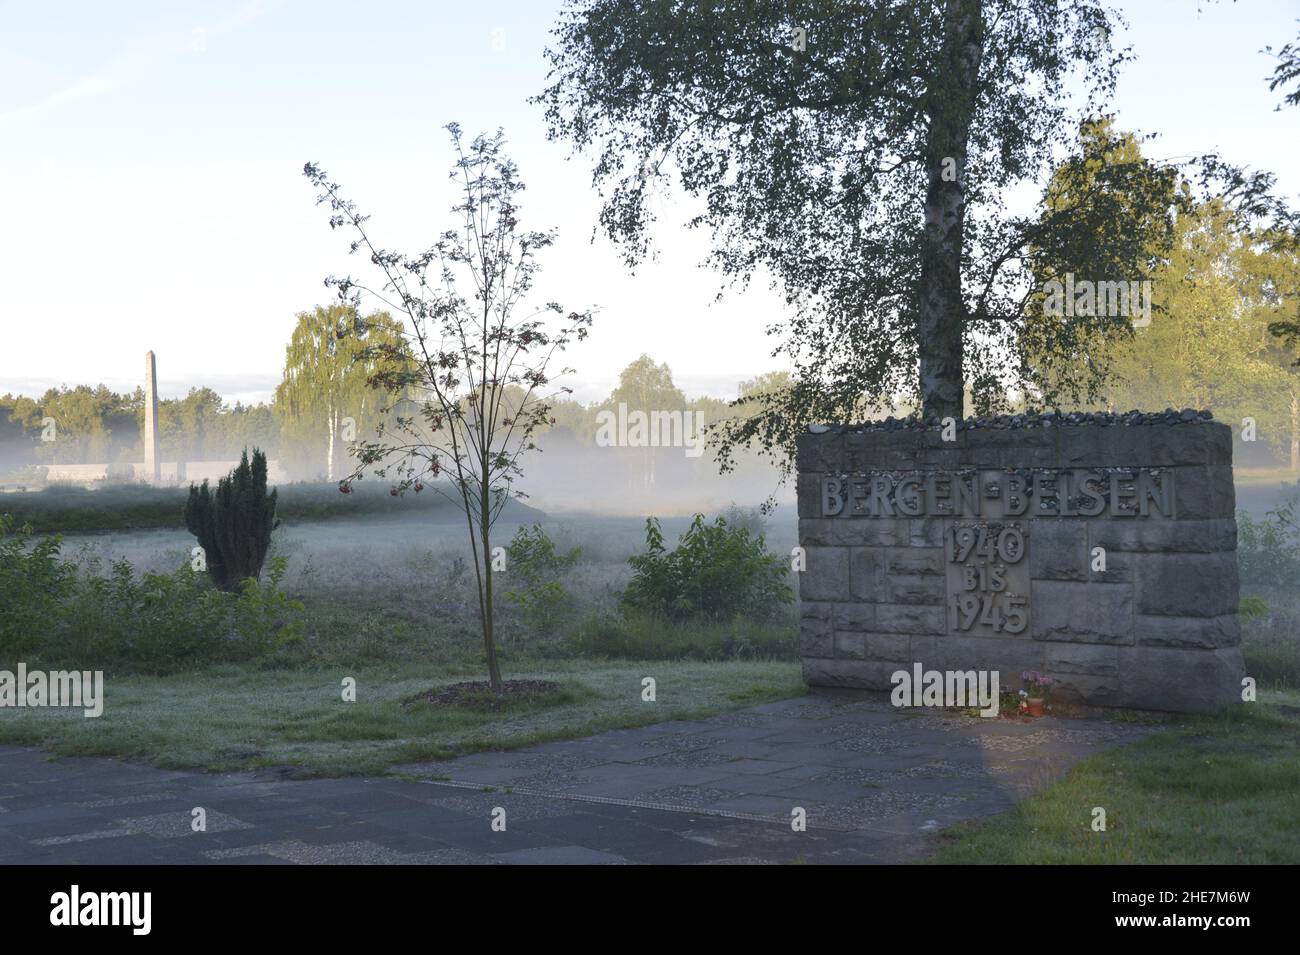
(872, 781)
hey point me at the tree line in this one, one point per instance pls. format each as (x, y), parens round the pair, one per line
(328, 399)
(87, 424)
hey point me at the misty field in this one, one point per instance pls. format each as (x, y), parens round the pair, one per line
(389, 601)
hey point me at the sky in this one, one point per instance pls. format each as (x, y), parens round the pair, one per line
(151, 157)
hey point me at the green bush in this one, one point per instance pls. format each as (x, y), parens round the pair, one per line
(162, 623)
(534, 568)
(1252, 606)
(33, 583)
(716, 571)
(266, 618)
(234, 525)
(1268, 551)
(63, 615)
(157, 623)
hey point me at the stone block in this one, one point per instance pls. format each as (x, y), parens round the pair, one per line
(816, 642)
(979, 441)
(880, 531)
(908, 440)
(887, 647)
(1029, 457)
(1081, 612)
(859, 674)
(1118, 568)
(850, 645)
(1084, 672)
(827, 574)
(854, 531)
(1204, 442)
(918, 458)
(1083, 447)
(818, 531)
(808, 487)
(1058, 549)
(915, 589)
(1081, 659)
(810, 457)
(914, 560)
(1204, 492)
(1105, 447)
(867, 574)
(853, 616)
(1009, 657)
(1218, 443)
(810, 612)
(1179, 536)
(815, 633)
(1191, 632)
(910, 618)
(1181, 681)
(926, 531)
(1187, 585)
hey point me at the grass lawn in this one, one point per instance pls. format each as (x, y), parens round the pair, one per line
(1211, 789)
(241, 718)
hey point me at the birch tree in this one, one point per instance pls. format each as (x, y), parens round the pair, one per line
(859, 154)
(326, 383)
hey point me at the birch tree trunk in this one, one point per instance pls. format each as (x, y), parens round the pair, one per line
(1295, 431)
(329, 444)
(951, 106)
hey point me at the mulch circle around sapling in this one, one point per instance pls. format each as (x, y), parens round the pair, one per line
(479, 695)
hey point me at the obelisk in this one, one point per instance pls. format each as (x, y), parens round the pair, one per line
(152, 465)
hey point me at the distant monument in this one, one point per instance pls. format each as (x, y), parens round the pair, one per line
(154, 470)
(152, 461)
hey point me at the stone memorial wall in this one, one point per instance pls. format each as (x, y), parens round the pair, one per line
(1099, 549)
